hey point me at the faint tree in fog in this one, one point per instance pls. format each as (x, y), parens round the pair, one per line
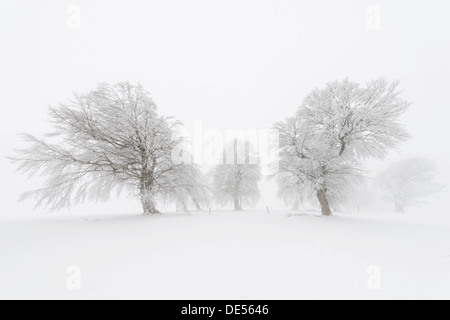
(199, 197)
(409, 181)
(236, 180)
(110, 139)
(337, 127)
(291, 190)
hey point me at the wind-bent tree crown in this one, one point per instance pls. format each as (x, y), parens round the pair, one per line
(110, 139)
(323, 145)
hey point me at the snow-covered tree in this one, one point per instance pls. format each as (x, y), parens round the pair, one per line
(323, 145)
(236, 180)
(410, 181)
(110, 139)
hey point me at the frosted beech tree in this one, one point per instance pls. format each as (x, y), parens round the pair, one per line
(337, 127)
(110, 139)
(236, 181)
(409, 181)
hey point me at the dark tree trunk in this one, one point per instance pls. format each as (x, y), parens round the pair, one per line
(324, 205)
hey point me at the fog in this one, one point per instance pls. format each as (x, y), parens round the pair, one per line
(226, 64)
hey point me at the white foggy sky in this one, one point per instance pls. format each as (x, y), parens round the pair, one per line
(229, 64)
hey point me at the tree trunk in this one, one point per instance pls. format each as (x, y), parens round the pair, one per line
(197, 205)
(399, 204)
(148, 203)
(325, 206)
(296, 205)
(399, 208)
(237, 204)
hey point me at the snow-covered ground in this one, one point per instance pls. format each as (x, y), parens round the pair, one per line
(228, 255)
